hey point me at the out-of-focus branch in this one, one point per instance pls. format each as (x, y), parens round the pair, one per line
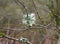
(11, 38)
(23, 40)
(36, 10)
(40, 17)
(25, 28)
(20, 3)
(17, 39)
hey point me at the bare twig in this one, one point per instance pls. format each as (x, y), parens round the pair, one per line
(36, 9)
(20, 3)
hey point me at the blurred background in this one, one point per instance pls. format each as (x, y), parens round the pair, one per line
(46, 18)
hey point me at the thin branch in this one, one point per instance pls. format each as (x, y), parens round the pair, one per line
(36, 9)
(11, 38)
(15, 39)
(20, 3)
(39, 16)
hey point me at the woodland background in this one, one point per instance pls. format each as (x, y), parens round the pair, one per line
(46, 30)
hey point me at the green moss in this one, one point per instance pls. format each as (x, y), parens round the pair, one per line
(2, 34)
